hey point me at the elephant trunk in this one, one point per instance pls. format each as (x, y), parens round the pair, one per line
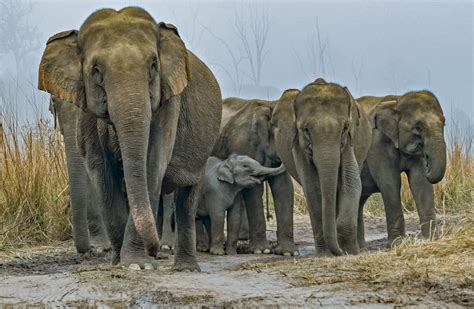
(326, 158)
(435, 158)
(131, 116)
(269, 171)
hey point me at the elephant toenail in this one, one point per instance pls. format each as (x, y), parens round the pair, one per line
(257, 251)
(134, 267)
(148, 266)
(287, 254)
(266, 251)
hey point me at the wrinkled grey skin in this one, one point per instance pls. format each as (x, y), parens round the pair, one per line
(408, 136)
(246, 130)
(166, 222)
(222, 182)
(322, 137)
(88, 227)
(152, 114)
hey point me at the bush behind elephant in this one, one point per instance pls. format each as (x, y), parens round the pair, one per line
(152, 111)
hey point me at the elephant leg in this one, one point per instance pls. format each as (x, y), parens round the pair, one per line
(244, 233)
(207, 225)
(79, 201)
(186, 206)
(422, 191)
(234, 215)
(257, 226)
(390, 189)
(350, 188)
(103, 180)
(97, 231)
(202, 242)
(360, 222)
(168, 235)
(283, 198)
(217, 231)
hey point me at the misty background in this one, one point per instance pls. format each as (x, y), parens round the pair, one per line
(257, 49)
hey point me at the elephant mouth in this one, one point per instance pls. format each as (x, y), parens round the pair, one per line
(427, 163)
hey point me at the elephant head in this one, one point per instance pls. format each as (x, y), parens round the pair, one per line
(414, 123)
(245, 171)
(120, 66)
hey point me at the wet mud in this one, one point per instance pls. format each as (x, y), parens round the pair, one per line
(58, 277)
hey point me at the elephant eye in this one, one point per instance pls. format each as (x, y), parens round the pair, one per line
(97, 75)
(417, 129)
(153, 67)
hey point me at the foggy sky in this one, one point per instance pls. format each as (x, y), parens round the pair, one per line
(394, 46)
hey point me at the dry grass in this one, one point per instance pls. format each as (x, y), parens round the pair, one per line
(444, 267)
(34, 193)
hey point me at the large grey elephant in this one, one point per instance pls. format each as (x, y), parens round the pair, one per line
(408, 136)
(223, 181)
(322, 137)
(88, 226)
(246, 130)
(152, 114)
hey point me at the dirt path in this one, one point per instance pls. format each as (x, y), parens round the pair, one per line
(56, 277)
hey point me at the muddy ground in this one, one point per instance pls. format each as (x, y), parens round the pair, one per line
(55, 276)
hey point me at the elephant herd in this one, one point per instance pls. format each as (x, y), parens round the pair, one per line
(152, 149)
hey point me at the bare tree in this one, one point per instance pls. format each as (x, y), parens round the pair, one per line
(356, 69)
(17, 36)
(252, 30)
(189, 27)
(233, 71)
(315, 62)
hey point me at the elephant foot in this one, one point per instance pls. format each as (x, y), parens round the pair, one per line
(100, 243)
(166, 244)
(202, 247)
(323, 252)
(217, 250)
(286, 249)
(137, 260)
(188, 265)
(393, 242)
(230, 251)
(260, 247)
(165, 250)
(362, 244)
(350, 249)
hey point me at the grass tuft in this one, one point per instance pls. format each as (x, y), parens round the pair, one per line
(34, 195)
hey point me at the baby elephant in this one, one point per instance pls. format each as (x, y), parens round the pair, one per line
(222, 184)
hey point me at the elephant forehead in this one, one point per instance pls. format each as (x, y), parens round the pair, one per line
(105, 33)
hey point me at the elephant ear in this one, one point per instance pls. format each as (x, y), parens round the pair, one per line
(174, 72)
(60, 70)
(224, 172)
(261, 124)
(354, 116)
(385, 118)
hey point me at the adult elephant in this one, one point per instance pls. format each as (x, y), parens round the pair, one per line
(246, 130)
(151, 116)
(408, 136)
(88, 226)
(322, 137)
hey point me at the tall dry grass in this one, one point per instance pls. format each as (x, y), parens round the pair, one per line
(34, 191)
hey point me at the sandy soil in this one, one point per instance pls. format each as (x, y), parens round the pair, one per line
(55, 276)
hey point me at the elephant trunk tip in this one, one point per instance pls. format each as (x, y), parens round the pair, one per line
(145, 225)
